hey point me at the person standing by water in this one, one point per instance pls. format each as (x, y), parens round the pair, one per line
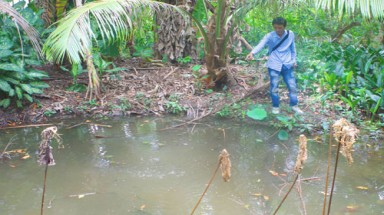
(281, 61)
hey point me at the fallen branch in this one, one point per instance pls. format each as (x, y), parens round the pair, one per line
(26, 126)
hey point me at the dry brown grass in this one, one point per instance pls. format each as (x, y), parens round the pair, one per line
(302, 156)
(345, 134)
(225, 165)
(45, 148)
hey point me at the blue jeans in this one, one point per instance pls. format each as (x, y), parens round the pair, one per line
(290, 81)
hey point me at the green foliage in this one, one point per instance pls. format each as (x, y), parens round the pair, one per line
(19, 81)
(143, 52)
(173, 105)
(184, 60)
(257, 113)
(104, 66)
(283, 135)
(356, 75)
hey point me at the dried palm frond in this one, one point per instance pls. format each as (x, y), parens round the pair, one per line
(225, 165)
(45, 148)
(302, 155)
(345, 134)
(32, 34)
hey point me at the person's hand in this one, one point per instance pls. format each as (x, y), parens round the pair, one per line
(249, 56)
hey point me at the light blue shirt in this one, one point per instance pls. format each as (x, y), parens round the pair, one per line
(285, 54)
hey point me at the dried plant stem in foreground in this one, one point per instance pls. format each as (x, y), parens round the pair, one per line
(46, 156)
(301, 157)
(345, 134)
(225, 166)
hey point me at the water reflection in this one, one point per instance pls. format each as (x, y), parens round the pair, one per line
(136, 168)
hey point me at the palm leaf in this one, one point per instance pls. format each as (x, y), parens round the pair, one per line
(32, 34)
(74, 34)
(368, 8)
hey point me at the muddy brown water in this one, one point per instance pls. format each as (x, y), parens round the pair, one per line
(136, 169)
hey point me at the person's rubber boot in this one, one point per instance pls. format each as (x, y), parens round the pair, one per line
(297, 109)
(275, 110)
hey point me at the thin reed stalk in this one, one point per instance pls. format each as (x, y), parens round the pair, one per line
(328, 162)
(286, 195)
(45, 183)
(301, 158)
(206, 188)
(328, 171)
(334, 178)
(225, 166)
(46, 156)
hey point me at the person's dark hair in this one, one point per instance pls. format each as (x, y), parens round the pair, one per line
(279, 21)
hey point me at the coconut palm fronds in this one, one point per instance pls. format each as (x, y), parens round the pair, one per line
(74, 34)
(367, 8)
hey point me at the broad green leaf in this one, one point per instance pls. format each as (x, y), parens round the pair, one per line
(36, 90)
(11, 93)
(19, 104)
(5, 53)
(5, 43)
(19, 92)
(35, 74)
(39, 84)
(4, 86)
(10, 67)
(6, 102)
(196, 68)
(11, 80)
(32, 62)
(257, 114)
(283, 119)
(27, 88)
(283, 135)
(28, 97)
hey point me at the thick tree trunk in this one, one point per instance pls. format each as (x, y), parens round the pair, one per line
(217, 55)
(175, 36)
(48, 15)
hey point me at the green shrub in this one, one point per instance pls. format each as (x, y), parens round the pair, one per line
(19, 81)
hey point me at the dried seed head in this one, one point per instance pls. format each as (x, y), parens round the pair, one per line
(302, 155)
(225, 165)
(345, 134)
(45, 148)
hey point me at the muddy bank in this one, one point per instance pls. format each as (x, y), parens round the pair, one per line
(158, 91)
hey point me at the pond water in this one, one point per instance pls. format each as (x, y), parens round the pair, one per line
(138, 169)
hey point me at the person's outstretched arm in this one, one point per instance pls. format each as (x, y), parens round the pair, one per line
(258, 48)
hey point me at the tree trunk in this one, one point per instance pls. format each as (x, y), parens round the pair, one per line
(217, 55)
(175, 36)
(48, 15)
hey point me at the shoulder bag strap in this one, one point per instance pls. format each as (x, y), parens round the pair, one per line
(277, 45)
